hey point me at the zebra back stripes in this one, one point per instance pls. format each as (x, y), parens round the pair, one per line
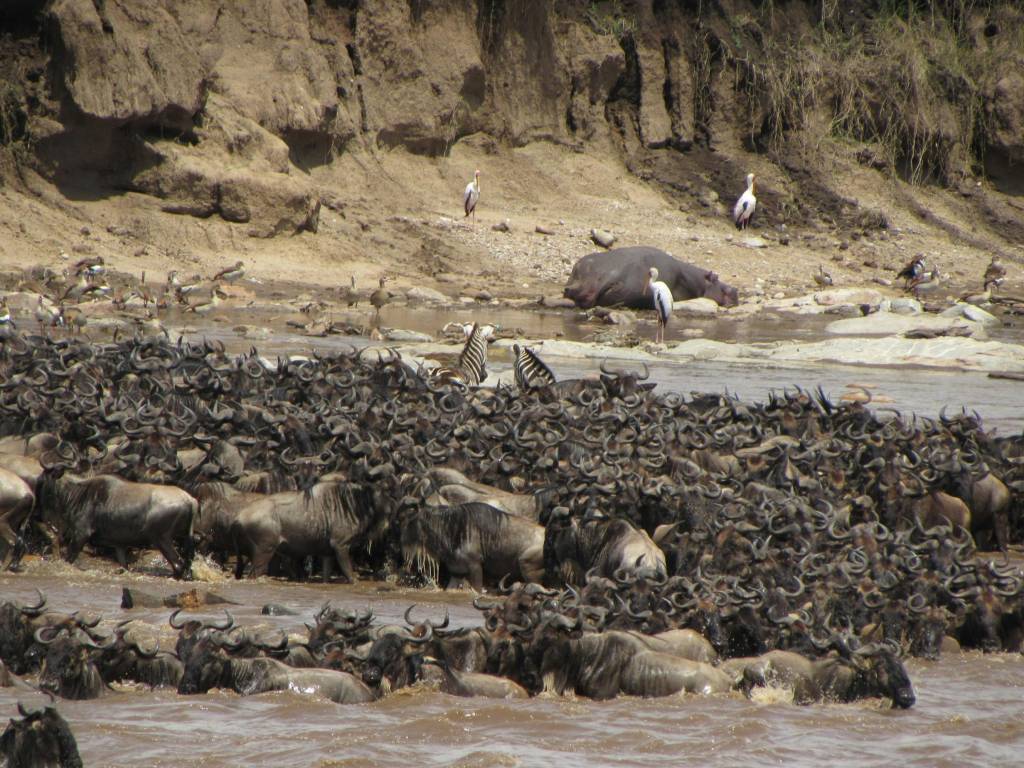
(530, 370)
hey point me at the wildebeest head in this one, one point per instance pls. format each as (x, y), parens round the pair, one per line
(207, 667)
(16, 628)
(191, 631)
(885, 674)
(69, 667)
(42, 738)
(396, 658)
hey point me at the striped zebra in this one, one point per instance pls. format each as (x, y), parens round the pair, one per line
(530, 370)
(471, 367)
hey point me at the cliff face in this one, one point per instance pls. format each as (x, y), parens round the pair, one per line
(224, 108)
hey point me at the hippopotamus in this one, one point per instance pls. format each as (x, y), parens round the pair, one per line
(618, 278)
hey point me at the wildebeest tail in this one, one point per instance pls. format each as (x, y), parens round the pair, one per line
(530, 370)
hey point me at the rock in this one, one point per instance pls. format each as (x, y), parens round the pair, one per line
(884, 281)
(398, 334)
(891, 324)
(192, 599)
(502, 226)
(543, 230)
(276, 609)
(700, 306)
(556, 302)
(970, 312)
(692, 333)
(420, 293)
(258, 334)
(754, 242)
(778, 295)
(616, 317)
(483, 295)
(858, 296)
(906, 306)
(602, 238)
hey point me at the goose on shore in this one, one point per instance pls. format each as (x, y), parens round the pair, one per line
(381, 296)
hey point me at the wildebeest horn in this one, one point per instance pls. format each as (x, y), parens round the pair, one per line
(38, 634)
(428, 635)
(229, 622)
(35, 610)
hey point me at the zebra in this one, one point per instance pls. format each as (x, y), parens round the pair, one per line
(530, 370)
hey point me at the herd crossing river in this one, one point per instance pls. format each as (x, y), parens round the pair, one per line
(794, 522)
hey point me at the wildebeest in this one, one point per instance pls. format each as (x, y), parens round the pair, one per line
(618, 278)
(41, 739)
(574, 546)
(126, 659)
(69, 668)
(322, 522)
(602, 666)
(473, 540)
(209, 666)
(107, 510)
(219, 505)
(453, 487)
(458, 683)
(191, 631)
(16, 500)
(871, 671)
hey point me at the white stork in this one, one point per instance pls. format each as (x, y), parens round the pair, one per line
(662, 302)
(744, 208)
(472, 195)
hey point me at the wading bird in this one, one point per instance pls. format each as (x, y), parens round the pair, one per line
(662, 297)
(994, 274)
(381, 296)
(743, 211)
(911, 272)
(231, 274)
(472, 195)
(823, 278)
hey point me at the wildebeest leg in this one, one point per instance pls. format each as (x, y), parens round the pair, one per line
(260, 563)
(344, 562)
(166, 548)
(476, 575)
(8, 535)
(326, 567)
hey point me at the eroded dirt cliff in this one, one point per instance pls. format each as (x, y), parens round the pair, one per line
(165, 132)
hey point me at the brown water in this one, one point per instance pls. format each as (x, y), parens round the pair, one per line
(967, 713)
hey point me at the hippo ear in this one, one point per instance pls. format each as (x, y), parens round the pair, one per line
(711, 277)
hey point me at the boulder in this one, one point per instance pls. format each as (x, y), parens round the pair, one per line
(970, 312)
(603, 238)
(858, 296)
(399, 334)
(891, 324)
(701, 306)
(420, 293)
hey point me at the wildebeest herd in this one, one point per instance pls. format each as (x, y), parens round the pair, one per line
(633, 542)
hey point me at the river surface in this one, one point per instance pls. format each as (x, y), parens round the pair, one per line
(968, 710)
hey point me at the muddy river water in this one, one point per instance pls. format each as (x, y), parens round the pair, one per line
(968, 710)
(967, 713)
